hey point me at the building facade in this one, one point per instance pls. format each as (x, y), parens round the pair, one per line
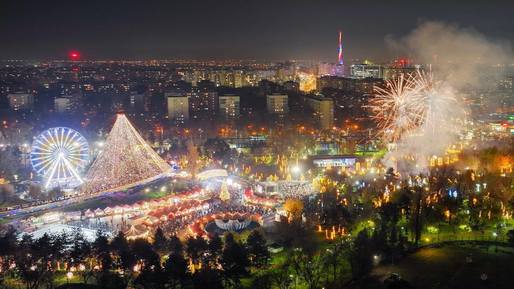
(178, 108)
(277, 103)
(323, 110)
(229, 106)
(349, 85)
(367, 71)
(202, 103)
(21, 101)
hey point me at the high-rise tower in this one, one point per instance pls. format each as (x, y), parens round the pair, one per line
(340, 49)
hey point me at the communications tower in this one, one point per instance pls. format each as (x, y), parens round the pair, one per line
(340, 49)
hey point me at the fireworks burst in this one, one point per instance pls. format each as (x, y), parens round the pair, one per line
(398, 108)
(413, 104)
(440, 103)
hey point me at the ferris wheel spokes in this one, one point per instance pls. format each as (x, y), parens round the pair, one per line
(59, 154)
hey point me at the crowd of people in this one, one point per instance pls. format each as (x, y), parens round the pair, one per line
(174, 213)
(96, 224)
(294, 189)
(178, 224)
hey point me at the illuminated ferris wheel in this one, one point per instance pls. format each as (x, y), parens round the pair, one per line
(60, 154)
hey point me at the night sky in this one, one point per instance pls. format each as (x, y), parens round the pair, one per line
(262, 30)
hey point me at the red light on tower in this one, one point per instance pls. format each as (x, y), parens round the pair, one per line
(74, 55)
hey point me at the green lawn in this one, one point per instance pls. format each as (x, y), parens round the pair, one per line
(60, 279)
(446, 233)
(446, 267)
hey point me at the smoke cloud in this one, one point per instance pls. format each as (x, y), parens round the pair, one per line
(461, 59)
(458, 55)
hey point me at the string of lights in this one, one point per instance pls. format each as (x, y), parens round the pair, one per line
(126, 161)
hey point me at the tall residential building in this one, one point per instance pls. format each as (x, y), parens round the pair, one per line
(349, 85)
(333, 82)
(277, 104)
(193, 76)
(392, 72)
(178, 108)
(203, 100)
(325, 68)
(21, 101)
(229, 106)
(62, 104)
(67, 103)
(238, 78)
(339, 70)
(292, 86)
(367, 71)
(202, 103)
(323, 109)
(136, 101)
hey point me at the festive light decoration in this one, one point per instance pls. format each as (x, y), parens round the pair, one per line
(126, 161)
(307, 81)
(224, 193)
(60, 154)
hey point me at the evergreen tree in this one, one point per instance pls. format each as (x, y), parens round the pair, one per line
(142, 250)
(175, 245)
(360, 256)
(150, 278)
(257, 250)
(120, 245)
(195, 248)
(160, 242)
(176, 271)
(308, 267)
(234, 260)
(263, 280)
(101, 250)
(215, 249)
(80, 252)
(281, 276)
(207, 278)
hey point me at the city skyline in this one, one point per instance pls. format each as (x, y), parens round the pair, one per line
(229, 30)
(256, 144)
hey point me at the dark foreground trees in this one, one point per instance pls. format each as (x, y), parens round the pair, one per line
(165, 263)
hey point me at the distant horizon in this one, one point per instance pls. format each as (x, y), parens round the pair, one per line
(244, 61)
(230, 29)
(186, 59)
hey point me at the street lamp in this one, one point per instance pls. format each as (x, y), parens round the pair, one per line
(69, 275)
(294, 278)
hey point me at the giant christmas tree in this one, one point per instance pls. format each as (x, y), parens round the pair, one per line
(126, 161)
(224, 193)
